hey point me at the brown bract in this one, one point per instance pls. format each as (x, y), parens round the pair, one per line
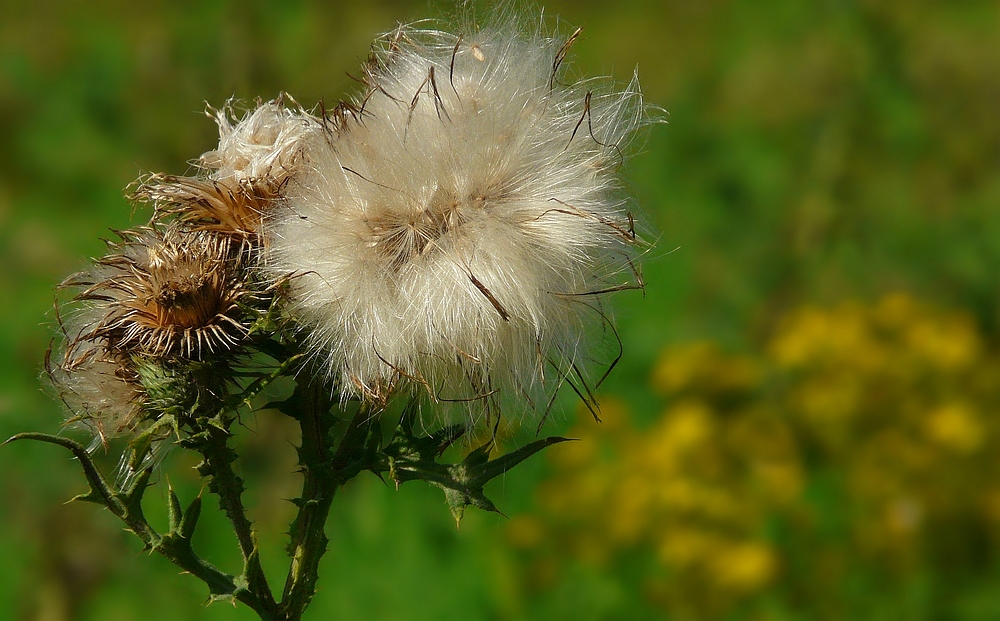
(164, 292)
(241, 181)
(209, 205)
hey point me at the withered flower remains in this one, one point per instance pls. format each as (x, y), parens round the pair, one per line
(207, 204)
(164, 292)
(99, 387)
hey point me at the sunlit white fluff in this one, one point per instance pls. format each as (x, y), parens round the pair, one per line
(96, 385)
(105, 394)
(264, 145)
(451, 232)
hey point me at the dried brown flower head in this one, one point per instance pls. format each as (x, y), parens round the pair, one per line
(163, 292)
(209, 205)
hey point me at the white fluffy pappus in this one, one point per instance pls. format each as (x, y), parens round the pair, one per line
(454, 230)
(97, 387)
(105, 394)
(263, 145)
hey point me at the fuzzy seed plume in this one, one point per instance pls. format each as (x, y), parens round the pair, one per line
(242, 179)
(262, 146)
(99, 387)
(454, 232)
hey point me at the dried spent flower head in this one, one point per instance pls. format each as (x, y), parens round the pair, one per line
(114, 395)
(208, 205)
(262, 148)
(162, 292)
(245, 174)
(453, 231)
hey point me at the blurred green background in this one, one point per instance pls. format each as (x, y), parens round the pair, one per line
(805, 422)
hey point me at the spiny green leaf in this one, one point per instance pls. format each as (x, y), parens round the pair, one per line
(255, 579)
(174, 512)
(219, 422)
(404, 442)
(142, 443)
(481, 472)
(458, 500)
(88, 497)
(190, 519)
(132, 497)
(258, 385)
(408, 457)
(222, 597)
(479, 455)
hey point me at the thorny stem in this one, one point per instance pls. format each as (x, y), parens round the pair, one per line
(311, 406)
(324, 467)
(175, 546)
(228, 486)
(181, 554)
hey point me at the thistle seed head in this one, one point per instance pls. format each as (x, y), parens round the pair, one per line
(454, 231)
(163, 292)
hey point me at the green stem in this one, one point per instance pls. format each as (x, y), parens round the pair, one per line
(174, 546)
(228, 486)
(179, 552)
(309, 541)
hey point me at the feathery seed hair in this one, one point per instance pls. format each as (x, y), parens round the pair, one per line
(263, 146)
(453, 232)
(246, 173)
(99, 387)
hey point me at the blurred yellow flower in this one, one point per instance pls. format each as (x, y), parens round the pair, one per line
(745, 567)
(955, 426)
(851, 441)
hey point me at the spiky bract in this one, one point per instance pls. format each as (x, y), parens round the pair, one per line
(163, 292)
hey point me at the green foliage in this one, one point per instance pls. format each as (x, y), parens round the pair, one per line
(410, 457)
(816, 152)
